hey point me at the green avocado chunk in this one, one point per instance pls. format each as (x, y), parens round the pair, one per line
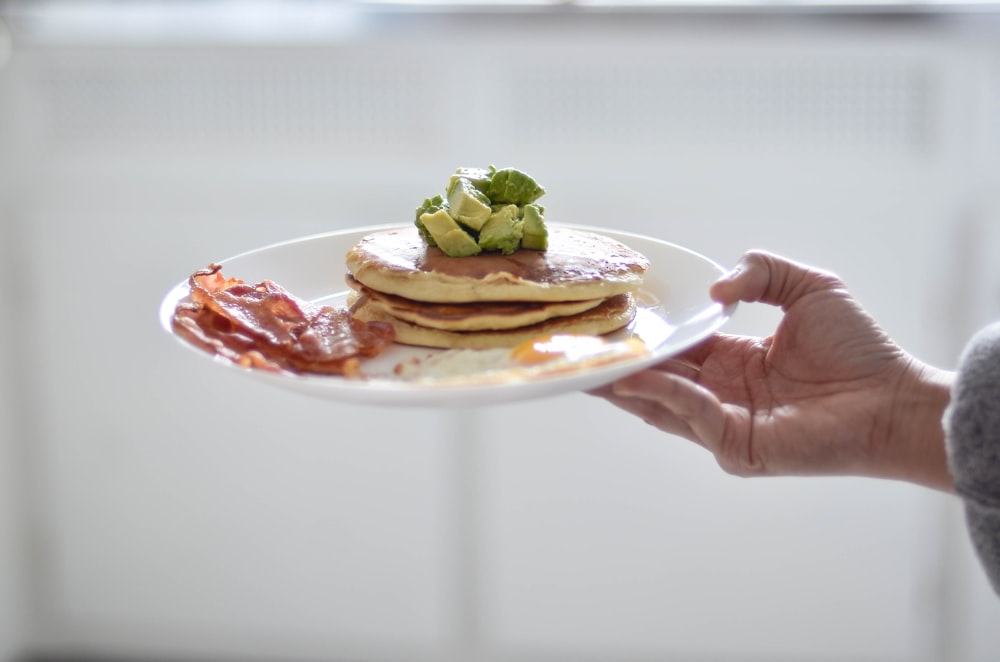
(448, 235)
(536, 236)
(429, 206)
(509, 185)
(478, 177)
(502, 231)
(468, 204)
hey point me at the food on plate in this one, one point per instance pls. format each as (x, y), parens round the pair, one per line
(484, 210)
(612, 314)
(264, 326)
(481, 270)
(487, 315)
(539, 357)
(397, 278)
(577, 265)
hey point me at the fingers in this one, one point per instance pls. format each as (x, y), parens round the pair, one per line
(771, 279)
(723, 346)
(650, 412)
(688, 363)
(673, 404)
(680, 367)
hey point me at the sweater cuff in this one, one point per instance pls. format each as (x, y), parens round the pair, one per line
(972, 440)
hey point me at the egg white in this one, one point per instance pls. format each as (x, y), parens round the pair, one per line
(486, 366)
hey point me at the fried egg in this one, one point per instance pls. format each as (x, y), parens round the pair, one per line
(537, 358)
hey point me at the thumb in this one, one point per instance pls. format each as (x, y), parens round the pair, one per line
(771, 279)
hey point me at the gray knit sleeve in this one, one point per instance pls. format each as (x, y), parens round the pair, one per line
(972, 427)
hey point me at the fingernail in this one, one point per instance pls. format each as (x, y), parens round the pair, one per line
(732, 273)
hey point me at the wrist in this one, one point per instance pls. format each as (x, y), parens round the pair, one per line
(915, 451)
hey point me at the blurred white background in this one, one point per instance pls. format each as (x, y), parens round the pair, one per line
(153, 506)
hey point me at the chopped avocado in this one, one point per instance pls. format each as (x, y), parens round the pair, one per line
(468, 204)
(478, 177)
(502, 231)
(484, 209)
(448, 235)
(429, 206)
(513, 186)
(536, 236)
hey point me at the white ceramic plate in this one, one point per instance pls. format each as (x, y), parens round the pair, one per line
(674, 313)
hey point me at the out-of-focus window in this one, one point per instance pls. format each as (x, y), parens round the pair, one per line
(631, 5)
(320, 7)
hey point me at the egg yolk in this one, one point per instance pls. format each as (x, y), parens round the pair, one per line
(556, 346)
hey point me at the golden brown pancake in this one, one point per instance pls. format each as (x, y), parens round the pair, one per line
(490, 315)
(577, 266)
(611, 315)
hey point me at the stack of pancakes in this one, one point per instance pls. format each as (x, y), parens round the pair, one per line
(582, 283)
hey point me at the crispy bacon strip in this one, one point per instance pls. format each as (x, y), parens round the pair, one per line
(264, 326)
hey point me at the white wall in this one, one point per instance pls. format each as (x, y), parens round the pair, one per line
(12, 534)
(12, 561)
(184, 510)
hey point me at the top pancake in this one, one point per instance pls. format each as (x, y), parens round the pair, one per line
(577, 265)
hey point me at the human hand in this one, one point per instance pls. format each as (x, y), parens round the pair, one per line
(828, 393)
